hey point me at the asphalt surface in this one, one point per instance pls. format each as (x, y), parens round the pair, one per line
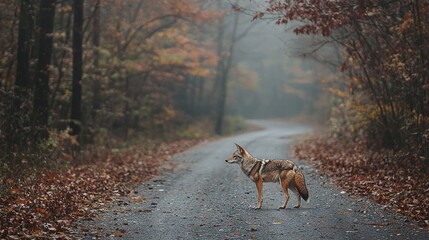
(206, 198)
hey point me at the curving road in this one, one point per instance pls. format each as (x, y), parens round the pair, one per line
(210, 199)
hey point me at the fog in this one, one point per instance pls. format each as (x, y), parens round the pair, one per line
(152, 66)
(270, 77)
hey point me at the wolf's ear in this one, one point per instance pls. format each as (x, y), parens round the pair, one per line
(243, 151)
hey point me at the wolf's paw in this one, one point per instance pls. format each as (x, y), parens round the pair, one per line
(297, 206)
(253, 207)
(282, 207)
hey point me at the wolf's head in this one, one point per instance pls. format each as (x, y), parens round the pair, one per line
(238, 155)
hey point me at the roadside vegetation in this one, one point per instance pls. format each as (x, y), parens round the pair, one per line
(398, 181)
(377, 144)
(96, 96)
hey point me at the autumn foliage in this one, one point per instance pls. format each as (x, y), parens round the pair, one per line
(383, 49)
(81, 80)
(379, 138)
(147, 68)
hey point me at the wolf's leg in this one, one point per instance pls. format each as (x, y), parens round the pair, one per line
(283, 182)
(299, 202)
(259, 188)
(299, 198)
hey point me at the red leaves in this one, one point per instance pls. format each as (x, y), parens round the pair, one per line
(258, 15)
(398, 181)
(315, 16)
(47, 205)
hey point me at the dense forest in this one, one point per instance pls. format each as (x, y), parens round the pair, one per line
(97, 95)
(110, 72)
(91, 73)
(82, 80)
(86, 72)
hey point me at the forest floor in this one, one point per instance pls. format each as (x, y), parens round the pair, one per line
(398, 181)
(48, 203)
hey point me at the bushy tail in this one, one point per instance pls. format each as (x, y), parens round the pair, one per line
(300, 184)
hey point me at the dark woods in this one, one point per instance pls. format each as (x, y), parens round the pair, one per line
(79, 72)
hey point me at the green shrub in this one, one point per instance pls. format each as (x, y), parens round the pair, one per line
(233, 124)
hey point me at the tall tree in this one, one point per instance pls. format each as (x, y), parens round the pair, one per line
(76, 115)
(41, 84)
(96, 88)
(24, 37)
(224, 67)
(22, 83)
(219, 79)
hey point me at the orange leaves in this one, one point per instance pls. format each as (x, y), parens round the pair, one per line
(47, 205)
(14, 191)
(315, 16)
(41, 210)
(406, 25)
(337, 92)
(398, 181)
(196, 59)
(162, 37)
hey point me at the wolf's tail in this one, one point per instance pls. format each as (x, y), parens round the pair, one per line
(300, 184)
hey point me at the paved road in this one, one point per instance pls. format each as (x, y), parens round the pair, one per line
(210, 199)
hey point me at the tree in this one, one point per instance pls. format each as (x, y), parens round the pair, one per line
(224, 66)
(96, 88)
(385, 57)
(41, 85)
(76, 116)
(149, 50)
(23, 81)
(223, 70)
(24, 45)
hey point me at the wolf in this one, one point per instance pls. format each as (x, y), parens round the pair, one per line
(263, 170)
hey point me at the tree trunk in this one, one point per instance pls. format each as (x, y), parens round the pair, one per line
(41, 85)
(24, 45)
(218, 78)
(22, 83)
(223, 78)
(65, 22)
(96, 88)
(200, 96)
(192, 95)
(76, 116)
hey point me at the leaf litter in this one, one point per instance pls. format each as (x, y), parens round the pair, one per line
(49, 204)
(398, 181)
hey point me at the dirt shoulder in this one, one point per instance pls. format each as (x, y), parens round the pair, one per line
(395, 180)
(48, 204)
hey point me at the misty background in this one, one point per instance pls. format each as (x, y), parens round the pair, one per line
(271, 77)
(101, 70)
